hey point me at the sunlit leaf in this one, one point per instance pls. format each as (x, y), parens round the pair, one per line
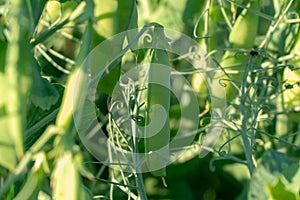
(273, 164)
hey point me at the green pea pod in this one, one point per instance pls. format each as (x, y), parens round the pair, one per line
(124, 18)
(76, 79)
(244, 31)
(158, 104)
(242, 35)
(127, 15)
(291, 97)
(107, 27)
(66, 177)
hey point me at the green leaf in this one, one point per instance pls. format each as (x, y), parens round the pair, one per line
(292, 177)
(11, 192)
(109, 57)
(37, 7)
(273, 165)
(76, 81)
(44, 94)
(127, 19)
(279, 191)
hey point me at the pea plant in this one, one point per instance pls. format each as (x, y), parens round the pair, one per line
(72, 131)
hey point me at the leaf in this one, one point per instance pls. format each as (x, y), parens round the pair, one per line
(37, 7)
(53, 10)
(279, 191)
(43, 94)
(108, 55)
(272, 166)
(292, 177)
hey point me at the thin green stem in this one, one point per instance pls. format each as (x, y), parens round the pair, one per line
(224, 14)
(50, 60)
(116, 183)
(22, 166)
(138, 176)
(44, 35)
(16, 175)
(263, 15)
(244, 118)
(140, 185)
(35, 128)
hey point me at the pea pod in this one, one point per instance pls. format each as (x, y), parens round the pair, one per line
(66, 177)
(214, 30)
(291, 97)
(68, 159)
(242, 35)
(78, 77)
(244, 31)
(158, 95)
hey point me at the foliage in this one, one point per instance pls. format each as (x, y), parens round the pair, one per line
(253, 47)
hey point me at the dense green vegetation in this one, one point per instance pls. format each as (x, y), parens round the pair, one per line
(251, 51)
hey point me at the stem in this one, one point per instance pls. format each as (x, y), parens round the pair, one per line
(244, 117)
(44, 35)
(138, 176)
(14, 176)
(32, 130)
(98, 175)
(141, 189)
(224, 14)
(115, 183)
(22, 166)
